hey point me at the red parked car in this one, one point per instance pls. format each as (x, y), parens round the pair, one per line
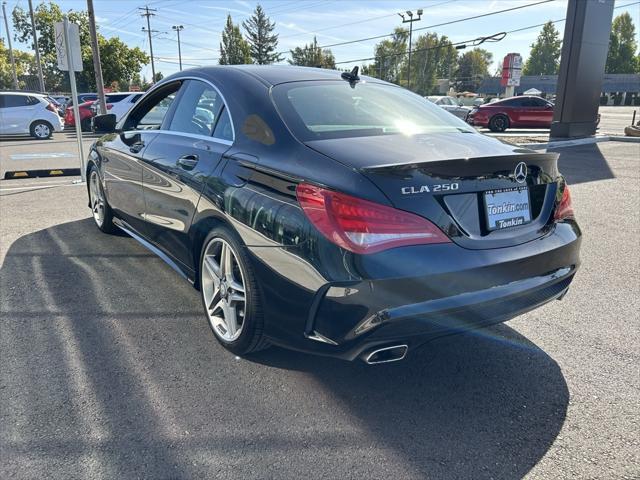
(85, 116)
(514, 112)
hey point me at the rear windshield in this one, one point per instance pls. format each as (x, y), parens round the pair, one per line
(328, 109)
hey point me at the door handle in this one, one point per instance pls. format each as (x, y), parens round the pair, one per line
(188, 162)
(136, 147)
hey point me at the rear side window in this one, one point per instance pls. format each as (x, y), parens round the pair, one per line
(514, 102)
(16, 101)
(224, 130)
(198, 109)
(116, 98)
(135, 98)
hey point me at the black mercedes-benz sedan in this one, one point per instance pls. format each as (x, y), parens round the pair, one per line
(332, 213)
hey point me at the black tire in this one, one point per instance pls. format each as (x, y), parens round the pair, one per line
(499, 123)
(106, 225)
(251, 337)
(41, 130)
(85, 125)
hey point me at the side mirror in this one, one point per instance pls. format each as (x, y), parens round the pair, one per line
(105, 123)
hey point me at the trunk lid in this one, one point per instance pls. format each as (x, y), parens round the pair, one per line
(466, 183)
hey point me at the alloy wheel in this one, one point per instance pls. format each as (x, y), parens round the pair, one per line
(223, 288)
(96, 196)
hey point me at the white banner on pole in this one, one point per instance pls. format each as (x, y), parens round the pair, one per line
(74, 47)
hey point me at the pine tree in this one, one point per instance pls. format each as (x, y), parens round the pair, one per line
(234, 50)
(262, 41)
(313, 56)
(544, 58)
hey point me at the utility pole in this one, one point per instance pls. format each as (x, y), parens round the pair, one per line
(97, 67)
(410, 21)
(13, 62)
(177, 28)
(148, 12)
(35, 47)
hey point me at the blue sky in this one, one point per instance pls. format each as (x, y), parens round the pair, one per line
(298, 20)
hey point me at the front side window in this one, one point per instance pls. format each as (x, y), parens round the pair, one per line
(333, 109)
(149, 114)
(198, 109)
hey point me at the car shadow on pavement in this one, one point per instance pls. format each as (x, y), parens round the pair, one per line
(109, 366)
(583, 163)
(485, 404)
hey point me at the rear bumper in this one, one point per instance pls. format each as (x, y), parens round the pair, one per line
(452, 289)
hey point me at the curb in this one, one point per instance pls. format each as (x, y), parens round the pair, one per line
(579, 141)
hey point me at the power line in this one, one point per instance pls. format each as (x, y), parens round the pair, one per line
(466, 19)
(497, 37)
(370, 19)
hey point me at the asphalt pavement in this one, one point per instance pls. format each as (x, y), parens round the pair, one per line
(108, 368)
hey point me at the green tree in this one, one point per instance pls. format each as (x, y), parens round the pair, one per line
(432, 57)
(390, 56)
(262, 41)
(473, 66)
(25, 65)
(119, 62)
(544, 58)
(622, 57)
(312, 56)
(234, 50)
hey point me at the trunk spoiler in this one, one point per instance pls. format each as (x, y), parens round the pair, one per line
(474, 166)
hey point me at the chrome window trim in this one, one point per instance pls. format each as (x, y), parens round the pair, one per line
(182, 78)
(189, 135)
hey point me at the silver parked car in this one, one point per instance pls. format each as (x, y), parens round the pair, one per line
(451, 105)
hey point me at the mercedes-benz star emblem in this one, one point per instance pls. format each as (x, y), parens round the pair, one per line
(520, 173)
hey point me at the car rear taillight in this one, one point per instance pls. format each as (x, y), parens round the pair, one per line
(361, 226)
(52, 107)
(109, 106)
(564, 209)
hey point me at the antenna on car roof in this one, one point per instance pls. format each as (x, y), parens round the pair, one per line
(351, 77)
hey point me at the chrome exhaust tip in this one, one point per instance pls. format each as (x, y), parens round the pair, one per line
(386, 355)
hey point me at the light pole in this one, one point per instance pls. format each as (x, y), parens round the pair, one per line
(410, 21)
(13, 62)
(97, 66)
(177, 28)
(35, 47)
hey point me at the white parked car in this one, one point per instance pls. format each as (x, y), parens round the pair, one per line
(118, 103)
(451, 105)
(23, 113)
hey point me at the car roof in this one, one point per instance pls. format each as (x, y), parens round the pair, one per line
(30, 94)
(269, 74)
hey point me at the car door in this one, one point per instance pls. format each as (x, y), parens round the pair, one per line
(541, 113)
(515, 110)
(177, 163)
(16, 113)
(122, 153)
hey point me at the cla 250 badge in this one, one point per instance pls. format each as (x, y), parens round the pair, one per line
(440, 187)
